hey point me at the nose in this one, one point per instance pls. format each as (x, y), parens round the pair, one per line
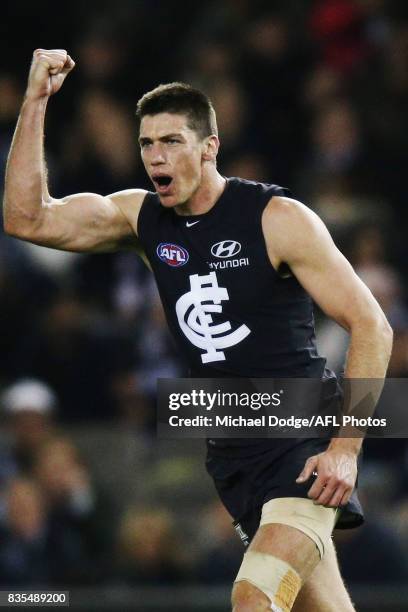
(157, 156)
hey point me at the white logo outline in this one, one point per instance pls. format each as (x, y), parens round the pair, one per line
(194, 316)
(191, 223)
(233, 248)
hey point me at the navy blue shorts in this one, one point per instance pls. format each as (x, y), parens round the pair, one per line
(244, 484)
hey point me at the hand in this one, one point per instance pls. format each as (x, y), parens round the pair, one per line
(47, 73)
(336, 476)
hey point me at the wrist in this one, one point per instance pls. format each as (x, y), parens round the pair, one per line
(346, 445)
(31, 98)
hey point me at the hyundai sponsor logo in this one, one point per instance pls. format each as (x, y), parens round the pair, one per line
(172, 254)
(225, 248)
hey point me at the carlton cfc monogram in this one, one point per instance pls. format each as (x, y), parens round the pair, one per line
(195, 319)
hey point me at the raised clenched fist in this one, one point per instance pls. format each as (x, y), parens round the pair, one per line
(48, 71)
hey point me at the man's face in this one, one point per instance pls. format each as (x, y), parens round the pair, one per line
(172, 155)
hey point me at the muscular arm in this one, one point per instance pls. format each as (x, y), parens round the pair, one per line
(81, 222)
(297, 237)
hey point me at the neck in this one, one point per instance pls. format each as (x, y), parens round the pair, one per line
(211, 186)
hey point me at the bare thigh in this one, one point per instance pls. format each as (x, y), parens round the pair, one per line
(324, 590)
(288, 544)
(285, 543)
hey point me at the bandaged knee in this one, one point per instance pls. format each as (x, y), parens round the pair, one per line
(274, 577)
(315, 521)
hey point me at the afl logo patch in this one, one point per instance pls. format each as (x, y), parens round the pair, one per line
(225, 248)
(172, 254)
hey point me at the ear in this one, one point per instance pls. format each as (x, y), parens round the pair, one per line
(210, 148)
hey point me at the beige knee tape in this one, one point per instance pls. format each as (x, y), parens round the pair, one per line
(275, 578)
(315, 521)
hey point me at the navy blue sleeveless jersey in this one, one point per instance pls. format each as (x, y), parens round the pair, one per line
(229, 311)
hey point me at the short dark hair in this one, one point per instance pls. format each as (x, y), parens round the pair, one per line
(180, 99)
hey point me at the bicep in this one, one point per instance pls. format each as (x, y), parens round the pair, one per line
(308, 249)
(332, 283)
(88, 222)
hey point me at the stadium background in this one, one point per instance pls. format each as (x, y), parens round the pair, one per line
(311, 95)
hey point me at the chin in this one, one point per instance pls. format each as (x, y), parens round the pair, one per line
(168, 201)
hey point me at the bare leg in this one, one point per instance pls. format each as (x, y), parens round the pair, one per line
(324, 590)
(285, 543)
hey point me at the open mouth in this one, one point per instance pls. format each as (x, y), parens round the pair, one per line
(162, 183)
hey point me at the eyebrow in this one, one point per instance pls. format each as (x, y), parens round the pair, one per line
(145, 139)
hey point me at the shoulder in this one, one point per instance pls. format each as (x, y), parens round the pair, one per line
(282, 213)
(129, 202)
(290, 228)
(129, 199)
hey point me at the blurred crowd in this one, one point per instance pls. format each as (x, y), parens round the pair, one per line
(309, 94)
